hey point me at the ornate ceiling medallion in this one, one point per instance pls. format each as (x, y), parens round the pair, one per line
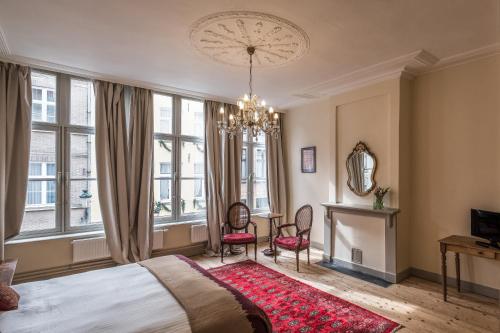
(225, 37)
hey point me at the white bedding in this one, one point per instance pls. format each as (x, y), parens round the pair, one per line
(120, 299)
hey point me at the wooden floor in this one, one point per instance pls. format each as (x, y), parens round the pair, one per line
(415, 303)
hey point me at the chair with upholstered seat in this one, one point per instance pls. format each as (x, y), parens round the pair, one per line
(238, 218)
(301, 240)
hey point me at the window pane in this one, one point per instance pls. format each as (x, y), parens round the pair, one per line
(162, 158)
(261, 138)
(260, 194)
(41, 195)
(260, 200)
(82, 156)
(192, 159)
(84, 207)
(82, 103)
(192, 196)
(192, 119)
(163, 197)
(44, 97)
(163, 114)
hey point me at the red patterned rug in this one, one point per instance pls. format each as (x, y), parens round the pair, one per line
(293, 306)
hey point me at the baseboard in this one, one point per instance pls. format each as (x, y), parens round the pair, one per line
(452, 282)
(48, 273)
(317, 245)
(363, 269)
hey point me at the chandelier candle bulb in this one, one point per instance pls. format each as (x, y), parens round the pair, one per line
(276, 116)
(271, 110)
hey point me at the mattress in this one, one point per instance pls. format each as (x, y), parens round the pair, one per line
(120, 299)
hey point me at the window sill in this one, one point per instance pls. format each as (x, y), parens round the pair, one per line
(97, 233)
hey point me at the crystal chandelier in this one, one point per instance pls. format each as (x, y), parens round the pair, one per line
(253, 115)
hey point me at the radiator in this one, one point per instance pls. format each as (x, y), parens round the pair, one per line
(199, 233)
(97, 248)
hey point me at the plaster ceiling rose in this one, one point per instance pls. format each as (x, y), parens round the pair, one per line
(225, 37)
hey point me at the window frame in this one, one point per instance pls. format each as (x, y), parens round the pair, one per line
(250, 143)
(176, 137)
(62, 129)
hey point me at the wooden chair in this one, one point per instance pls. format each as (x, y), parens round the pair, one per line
(301, 240)
(238, 218)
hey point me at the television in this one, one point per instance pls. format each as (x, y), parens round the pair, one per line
(485, 225)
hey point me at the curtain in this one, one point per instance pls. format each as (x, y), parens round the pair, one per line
(141, 173)
(112, 167)
(276, 176)
(222, 171)
(15, 136)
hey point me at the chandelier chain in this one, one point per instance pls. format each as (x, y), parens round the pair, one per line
(251, 76)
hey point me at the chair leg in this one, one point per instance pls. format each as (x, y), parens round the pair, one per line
(222, 252)
(297, 257)
(275, 254)
(255, 250)
(246, 249)
(308, 262)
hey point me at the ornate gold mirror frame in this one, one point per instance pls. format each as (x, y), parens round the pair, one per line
(356, 161)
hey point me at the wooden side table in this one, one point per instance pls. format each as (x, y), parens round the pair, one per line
(270, 217)
(7, 269)
(465, 245)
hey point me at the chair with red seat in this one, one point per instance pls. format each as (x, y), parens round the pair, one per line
(238, 218)
(301, 240)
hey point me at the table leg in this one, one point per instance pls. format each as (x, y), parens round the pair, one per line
(457, 264)
(443, 269)
(270, 251)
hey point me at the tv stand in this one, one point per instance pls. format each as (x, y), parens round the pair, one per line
(465, 245)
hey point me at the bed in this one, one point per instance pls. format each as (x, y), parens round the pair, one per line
(165, 294)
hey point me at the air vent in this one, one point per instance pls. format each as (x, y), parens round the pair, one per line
(305, 96)
(356, 256)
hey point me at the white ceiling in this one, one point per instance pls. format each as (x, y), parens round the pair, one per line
(149, 40)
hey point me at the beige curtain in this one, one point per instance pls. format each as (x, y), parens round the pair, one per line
(222, 171)
(112, 167)
(276, 175)
(15, 136)
(141, 173)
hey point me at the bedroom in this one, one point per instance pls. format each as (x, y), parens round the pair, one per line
(123, 138)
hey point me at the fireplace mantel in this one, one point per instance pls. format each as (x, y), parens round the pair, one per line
(390, 217)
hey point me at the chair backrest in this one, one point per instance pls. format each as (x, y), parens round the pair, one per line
(238, 216)
(304, 219)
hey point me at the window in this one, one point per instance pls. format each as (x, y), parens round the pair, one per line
(62, 158)
(179, 159)
(43, 93)
(254, 172)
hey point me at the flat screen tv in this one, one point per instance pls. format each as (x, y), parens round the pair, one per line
(486, 225)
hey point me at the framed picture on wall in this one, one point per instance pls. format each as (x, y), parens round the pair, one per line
(308, 159)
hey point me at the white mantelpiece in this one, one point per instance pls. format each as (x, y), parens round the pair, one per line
(388, 214)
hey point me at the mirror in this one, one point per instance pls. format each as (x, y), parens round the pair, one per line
(361, 166)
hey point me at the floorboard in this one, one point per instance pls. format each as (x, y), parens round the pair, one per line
(415, 303)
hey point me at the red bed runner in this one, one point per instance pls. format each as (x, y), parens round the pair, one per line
(293, 306)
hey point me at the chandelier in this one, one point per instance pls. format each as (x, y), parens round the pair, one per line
(253, 116)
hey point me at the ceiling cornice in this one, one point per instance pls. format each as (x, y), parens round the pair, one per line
(482, 52)
(50, 66)
(4, 47)
(408, 66)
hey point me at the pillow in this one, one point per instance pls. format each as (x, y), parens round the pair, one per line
(8, 298)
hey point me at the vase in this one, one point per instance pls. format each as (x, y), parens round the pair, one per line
(378, 203)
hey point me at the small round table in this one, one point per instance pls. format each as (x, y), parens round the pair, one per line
(270, 217)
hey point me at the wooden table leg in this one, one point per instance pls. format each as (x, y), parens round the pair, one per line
(443, 268)
(457, 264)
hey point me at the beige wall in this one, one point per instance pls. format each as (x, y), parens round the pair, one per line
(309, 126)
(52, 253)
(370, 114)
(436, 139)
(456, 161)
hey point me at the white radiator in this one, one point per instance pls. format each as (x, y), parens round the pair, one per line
(199, 233)
(97, 248)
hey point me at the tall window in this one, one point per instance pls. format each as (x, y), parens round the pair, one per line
(62, 190)
(179, 168)
(254, 172)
